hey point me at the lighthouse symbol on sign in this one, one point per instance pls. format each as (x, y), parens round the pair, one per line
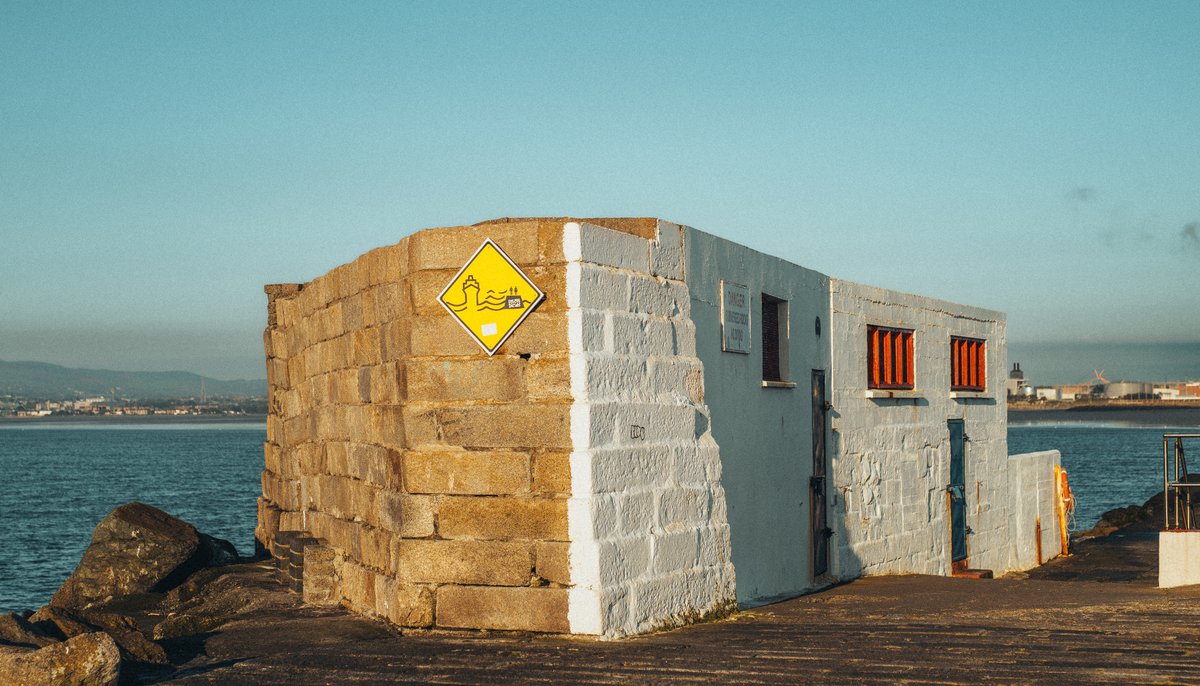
(490, 296)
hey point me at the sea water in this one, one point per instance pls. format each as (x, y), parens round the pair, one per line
(1109, 464)
(58, 480)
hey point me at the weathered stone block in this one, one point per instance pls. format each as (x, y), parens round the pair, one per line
(358, 587)
(506, 426)
(421, 426)
(614, 249)
(388, 426)
(391, 302)
(352, 313)
(550, 242)
(494, 378)
(395, 339)
(367, 348)
(496, 472)
(663, 298)
(369, 307)
(271, 458)
(541, 333)
(425, 287)
(499, 563)
(321, 581)
(552, 281)
(411, 516)
(514, 609)
(600, 288)
(451, 248)
(667, 257)
(394, 261)
(388, 383)
(384, 468)
(435, 335)
(548, 378)
(376, 547)
(553, 562)
(552, 473)
(402, 603)
(682, 507)
(503, 518)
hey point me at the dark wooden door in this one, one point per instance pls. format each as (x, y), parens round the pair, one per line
(817, 513)
(958, 491)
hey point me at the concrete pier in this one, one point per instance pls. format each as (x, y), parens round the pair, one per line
(1096, 617)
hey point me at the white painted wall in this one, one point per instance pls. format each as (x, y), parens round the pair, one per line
(1178, 558)
(892, 461)
(1034, 495)
(765, 434)
(660, 517)
(647, 516)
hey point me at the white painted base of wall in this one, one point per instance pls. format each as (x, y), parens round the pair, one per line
(1178, 558)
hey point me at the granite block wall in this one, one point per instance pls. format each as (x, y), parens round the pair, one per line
(649, 532)
(437, 476)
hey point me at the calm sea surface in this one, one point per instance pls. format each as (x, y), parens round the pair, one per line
(60, 479)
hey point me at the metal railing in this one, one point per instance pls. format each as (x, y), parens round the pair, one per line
(1178, 484)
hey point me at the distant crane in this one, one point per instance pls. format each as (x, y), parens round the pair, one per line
(1099, 377)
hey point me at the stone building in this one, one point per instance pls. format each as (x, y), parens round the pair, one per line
(655, 425)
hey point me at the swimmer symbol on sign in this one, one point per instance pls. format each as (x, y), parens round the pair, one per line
(490, 296)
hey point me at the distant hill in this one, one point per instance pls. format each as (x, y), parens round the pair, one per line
(52, 382)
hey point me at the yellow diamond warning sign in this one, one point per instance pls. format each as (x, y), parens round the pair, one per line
(490, 296)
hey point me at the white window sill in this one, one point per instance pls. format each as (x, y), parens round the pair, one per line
(884, 393)
(778, 384)
(964, 395)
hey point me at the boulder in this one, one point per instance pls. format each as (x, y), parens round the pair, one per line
(124, 630)
(86, 660)
(135, 549)
(17, 630)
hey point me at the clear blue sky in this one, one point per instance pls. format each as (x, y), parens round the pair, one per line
(160, 161)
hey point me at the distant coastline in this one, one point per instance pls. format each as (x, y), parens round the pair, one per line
(140, 419)
(1173, 415)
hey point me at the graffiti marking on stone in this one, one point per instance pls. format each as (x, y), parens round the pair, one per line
(490, 296)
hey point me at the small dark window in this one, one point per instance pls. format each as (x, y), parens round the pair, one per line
(968, 364)
(889, 358)
(774, 337)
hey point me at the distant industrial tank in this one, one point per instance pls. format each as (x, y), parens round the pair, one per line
(1129, 390)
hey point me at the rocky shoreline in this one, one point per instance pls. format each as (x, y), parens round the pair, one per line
(127, 611)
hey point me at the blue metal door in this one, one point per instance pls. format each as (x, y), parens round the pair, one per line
(958, 491)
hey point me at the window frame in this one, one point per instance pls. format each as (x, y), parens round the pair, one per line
(968, 364)
(780, 315)
(890, 358)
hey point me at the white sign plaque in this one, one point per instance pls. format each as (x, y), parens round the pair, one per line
(735, 318)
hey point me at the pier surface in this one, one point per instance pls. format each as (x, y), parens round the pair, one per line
(1093, 618)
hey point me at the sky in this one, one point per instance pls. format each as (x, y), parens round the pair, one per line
(161, 161)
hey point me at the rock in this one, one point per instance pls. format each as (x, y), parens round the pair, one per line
(17, 630)
(60, 622)
(213, 598)
(218, 551)
(86, 660)
(135, 549)
(124, 630)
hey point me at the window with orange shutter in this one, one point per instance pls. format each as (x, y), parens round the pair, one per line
(889, 358)
(968, 364)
